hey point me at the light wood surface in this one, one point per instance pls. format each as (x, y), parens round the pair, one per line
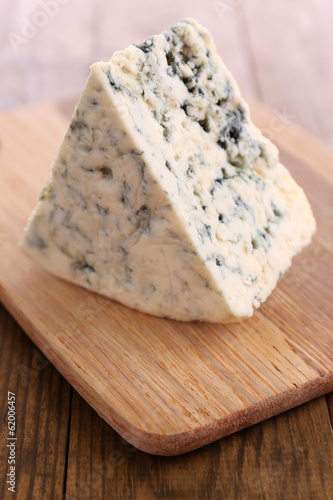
(66, 451)
(170, 387)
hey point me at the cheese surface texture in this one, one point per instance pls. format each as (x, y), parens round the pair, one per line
(163, 194)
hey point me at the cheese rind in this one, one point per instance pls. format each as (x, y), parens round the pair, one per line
(163, 194)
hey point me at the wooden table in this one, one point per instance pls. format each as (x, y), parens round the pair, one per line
(282, 54)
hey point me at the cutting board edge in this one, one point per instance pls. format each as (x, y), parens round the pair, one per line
(178, 443)
(174, 444)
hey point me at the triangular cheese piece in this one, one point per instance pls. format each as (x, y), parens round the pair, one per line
(163, 195)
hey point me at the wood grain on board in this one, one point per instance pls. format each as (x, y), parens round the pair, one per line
(169, 387)
(288, 456)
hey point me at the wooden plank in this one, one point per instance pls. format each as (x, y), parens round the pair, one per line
(329, 401)
(289, 456)
(295, 455)
(284, 457)
(230, 49)
(42, 415)
(167, 387)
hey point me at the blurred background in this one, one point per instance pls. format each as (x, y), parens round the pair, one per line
(281, 52)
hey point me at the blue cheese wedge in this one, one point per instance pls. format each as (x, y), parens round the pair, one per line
(163, 195)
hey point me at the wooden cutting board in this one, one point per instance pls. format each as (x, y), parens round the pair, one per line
(170, 387)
